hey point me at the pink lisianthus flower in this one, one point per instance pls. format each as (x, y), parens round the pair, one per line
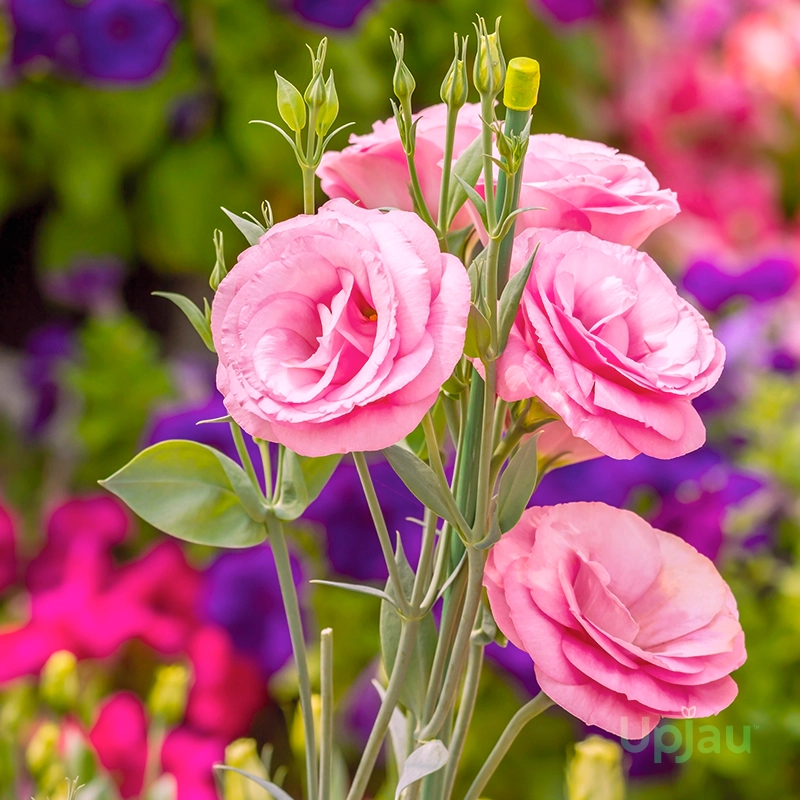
(604, 339)
(556, 441)
(587, 186)
(625, 623)
(190, 757)
(335, 331)
(373, 170)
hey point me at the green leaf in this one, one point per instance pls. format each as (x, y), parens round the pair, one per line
(422, 483)
(391, 625)
(479, 334)
(510, 300)
(272, 788)
(252, 231)
(193, 314)
(425, 760)
(517, 485)
(302, 480)
(475, 198)
(192, 492)
(359, 588)
(466, 170)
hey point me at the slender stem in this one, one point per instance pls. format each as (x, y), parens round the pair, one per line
(405, 649)
(477, 559)
(468, 697)
(500, 412)
(483, 494)
(487, 112)
(155, 744)
(382, 530)
(309, 187)
(439, 569)
(530, 710)
(425, 561)
(283, 567)
(244, 456)
(326, 713)
(447, 167)
(434, 456)
(266, 463)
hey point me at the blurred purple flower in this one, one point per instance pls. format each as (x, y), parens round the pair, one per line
(331, 13)
(568, 11)
(353, 546)
(694, 491)
(88, 284)
(712, 286)
(46, 350)
(39, 29)
(124, 40)
(242, 595)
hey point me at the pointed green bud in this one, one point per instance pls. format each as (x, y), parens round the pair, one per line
(489, 71)
(522, 84)
(290, 104)
(595, 771)
(42, 749)
(220, 270)
(167, 700)
(58, 685)
(403, 82)
(243, 755)
(315, 94)
(330, 108)
(455, 86)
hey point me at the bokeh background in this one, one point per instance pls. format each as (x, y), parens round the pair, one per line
(123, 129)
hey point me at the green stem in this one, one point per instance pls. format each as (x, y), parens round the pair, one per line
(309, 187)
(288, 589)
(405, 650)
(483, 493)
(266, 463)
(468, 697)
(472, 600)
(515, 124)
(424, 566)
(530, 710)
(244, 456)
(487, 112)
(326, 713)
(383, 532)
(447, 167)
(155, 744)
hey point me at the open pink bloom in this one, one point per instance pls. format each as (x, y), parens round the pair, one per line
(373, 170)
(588, 186)
(604, 339)
(335, 331)
(625, 623)
(556, 441)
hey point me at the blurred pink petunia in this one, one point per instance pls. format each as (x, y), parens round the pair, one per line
(336, 331)
(625, 623)
(604, 339)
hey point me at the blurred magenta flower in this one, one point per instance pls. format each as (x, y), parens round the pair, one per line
(124, 41)
(331, 13)
(8, 549)
(712, 286)
(567, 11)
(119, 736)
(190, 756)
(241, 594)
(352, 544)
(227, 689)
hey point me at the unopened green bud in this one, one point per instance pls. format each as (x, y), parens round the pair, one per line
(489, 72)
(455, 86)
(315, 94)
(58, 685)
(243, 755)
(330, 108)
(42, 749)
(220, 269)
(17, 707)
(290, 104)
(522, 84)
(595, 771)
(167, 700)
(403, 82)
